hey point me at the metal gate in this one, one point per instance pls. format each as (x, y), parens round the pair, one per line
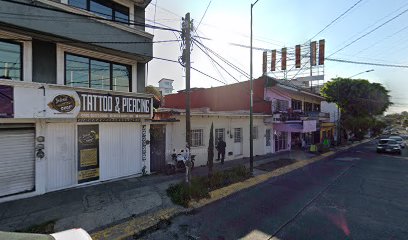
(17, 161)
(157, 147)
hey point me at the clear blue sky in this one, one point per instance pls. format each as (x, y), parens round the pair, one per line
(279, 23)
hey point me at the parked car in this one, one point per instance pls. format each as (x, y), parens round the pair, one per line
(399, 139)
(71, 234)
(389, 146)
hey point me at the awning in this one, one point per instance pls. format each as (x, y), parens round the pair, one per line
(301, 127)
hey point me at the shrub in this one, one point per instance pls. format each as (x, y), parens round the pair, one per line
(200, 187)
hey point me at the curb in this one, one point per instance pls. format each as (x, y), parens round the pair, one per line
(142, 224)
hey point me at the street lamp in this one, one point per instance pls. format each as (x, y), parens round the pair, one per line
(251, 140)
(371, 70)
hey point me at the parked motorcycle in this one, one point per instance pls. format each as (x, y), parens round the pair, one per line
(178, 162)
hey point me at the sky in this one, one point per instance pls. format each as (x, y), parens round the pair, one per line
(285, 23)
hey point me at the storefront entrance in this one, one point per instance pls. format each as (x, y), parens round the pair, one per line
(157, 147)
(17, 161)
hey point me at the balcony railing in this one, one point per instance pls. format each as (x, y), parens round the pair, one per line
(284, 116)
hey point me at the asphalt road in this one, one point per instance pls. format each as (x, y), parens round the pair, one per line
(357, 194)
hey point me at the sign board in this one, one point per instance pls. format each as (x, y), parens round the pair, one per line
(88, 153)
(6, 102)
(100, 107)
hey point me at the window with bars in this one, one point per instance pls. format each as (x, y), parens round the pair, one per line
(237, 135)
(280, 105)
(296, 104)
(219, 133)
(82, 71)
(197, 137)
(255, 132)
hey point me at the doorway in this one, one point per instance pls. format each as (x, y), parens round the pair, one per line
(157, 147)
(238, 141)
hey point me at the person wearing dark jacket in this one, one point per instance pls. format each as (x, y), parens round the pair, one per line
(221, 145)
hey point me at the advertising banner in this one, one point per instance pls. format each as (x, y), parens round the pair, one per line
(88, 153)
(109, 106)
(6, 102)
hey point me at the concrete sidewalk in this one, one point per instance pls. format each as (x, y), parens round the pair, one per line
(97, 206)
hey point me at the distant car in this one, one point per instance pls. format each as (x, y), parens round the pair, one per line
(389, 146)
(399, 139)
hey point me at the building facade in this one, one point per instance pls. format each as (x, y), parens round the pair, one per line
(283, 116)
(73, 109)
(166, 86)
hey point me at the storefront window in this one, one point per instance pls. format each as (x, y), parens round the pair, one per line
(281, 141)
(10, 60)
(81, 71)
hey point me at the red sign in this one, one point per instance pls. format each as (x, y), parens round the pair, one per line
(297, 53)
(321, 52)
(283, 62)
(6, 102)
(273, 62)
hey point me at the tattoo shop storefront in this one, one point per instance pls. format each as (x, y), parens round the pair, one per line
(60, 137)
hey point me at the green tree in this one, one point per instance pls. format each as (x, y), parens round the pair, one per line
(359, 101)
(211, 152)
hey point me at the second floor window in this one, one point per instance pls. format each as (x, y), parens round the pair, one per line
(103, 8)
(280, 105)
(308, 107)
(10, 60)
(81, 71)
(296, 104)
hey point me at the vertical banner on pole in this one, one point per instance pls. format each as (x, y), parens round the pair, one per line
(321, 51)
(297, 55)
(264, 63)
(313, 53)
(273, 61)
(283, 62)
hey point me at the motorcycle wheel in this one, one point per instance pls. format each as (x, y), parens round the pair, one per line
(170, 169)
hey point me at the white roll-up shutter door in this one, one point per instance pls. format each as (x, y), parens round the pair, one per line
(17, 161)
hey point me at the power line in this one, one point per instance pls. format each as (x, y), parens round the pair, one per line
(86, 15)
(204, 14)
(366, 63)
(373, 30)
(332, 22)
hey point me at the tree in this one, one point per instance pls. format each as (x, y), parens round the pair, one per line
(211, 152)
(157, 95)
(359, 101)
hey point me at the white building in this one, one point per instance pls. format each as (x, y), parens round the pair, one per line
(232, 127)
(166, 86)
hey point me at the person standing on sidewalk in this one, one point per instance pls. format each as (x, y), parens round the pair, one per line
(221, 145)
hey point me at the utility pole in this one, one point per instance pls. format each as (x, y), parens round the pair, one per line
(186, 59)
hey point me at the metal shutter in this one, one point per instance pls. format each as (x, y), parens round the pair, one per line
(17, 162)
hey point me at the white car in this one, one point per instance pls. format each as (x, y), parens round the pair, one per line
(399, 139)
(72, 234)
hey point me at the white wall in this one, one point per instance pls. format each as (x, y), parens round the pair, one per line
(330, 108)
(175, 136)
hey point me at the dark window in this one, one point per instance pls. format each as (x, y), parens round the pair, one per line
(103, 8)
(10, 60)
(81, 71)
(308, 107)
(296, 104)
(78, 3)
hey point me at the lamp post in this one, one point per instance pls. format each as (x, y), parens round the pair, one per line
(371, 70)
(251, 103)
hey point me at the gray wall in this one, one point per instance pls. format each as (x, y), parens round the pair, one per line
(140, 17)
(44, 62)
(141, 77)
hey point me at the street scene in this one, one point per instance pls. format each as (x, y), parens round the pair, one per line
(178, 119)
